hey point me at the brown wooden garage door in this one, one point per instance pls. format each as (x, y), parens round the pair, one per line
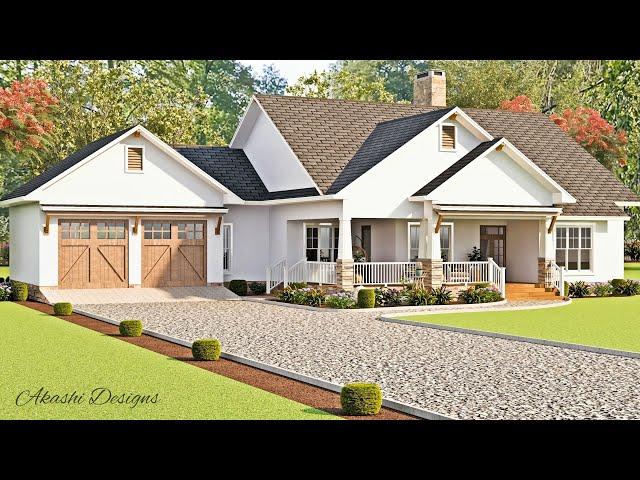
(174, 253)
(92, 253)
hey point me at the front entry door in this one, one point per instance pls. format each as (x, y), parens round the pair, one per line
(493, 242)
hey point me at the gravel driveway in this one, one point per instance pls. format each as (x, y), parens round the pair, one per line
(455, 374)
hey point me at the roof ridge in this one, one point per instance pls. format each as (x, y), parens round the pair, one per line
(195, 145)
(431, 112)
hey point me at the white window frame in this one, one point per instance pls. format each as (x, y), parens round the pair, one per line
(592, 226)
(230, 262)
(305, 225)
(451, 242)
(455, 138)
(126, 158)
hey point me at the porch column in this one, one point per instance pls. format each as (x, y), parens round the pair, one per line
(429, 248)
(344, 262)
(546, 250)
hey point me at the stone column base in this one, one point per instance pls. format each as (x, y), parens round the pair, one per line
(543, 267)
(344, 274)
(432, 270)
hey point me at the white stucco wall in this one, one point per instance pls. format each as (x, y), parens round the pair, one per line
(495, 179)
(24, 223)
(383, 238)
(608, 250)
(273, 159)
(250, 250)
(383, 190)
(104, 181)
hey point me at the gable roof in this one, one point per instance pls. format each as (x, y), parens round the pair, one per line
(386, 138)
(232, 168)
(456, 167)
(63, 165)
(326, 134)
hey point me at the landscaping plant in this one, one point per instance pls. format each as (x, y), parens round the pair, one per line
(302, 296)
(366, 298)
(206, 349)
(632, 249)
(257, 288)
(361, 399)
(5, 292)
(602, 289)
(239, 287)
(297, 285)
(130, 328)
(579, 289)
(387, 297)
(441, 295)
(19, 291)
(475, 255)
(479, 294)
(62, 308)
(416, 295)
(626, 287)
(340, 300)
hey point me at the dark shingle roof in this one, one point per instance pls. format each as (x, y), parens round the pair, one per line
(385, 139)
(456, 167)
(73, 159)
(232, 168)
(325, 134)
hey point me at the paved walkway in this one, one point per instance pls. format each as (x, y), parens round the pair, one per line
(455, 374)
(136, 295)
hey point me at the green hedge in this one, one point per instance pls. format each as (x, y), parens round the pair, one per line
(239, 287)
(257, 288)
(361, 399)
(19, 291)
(367, 298)
(131, 328)
(206, 349)
(62, 308)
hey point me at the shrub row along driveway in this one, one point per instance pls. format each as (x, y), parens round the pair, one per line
(455, 374)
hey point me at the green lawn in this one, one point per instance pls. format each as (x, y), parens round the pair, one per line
(37, 350)
(632, 270)
(4, 272)
(612, 322)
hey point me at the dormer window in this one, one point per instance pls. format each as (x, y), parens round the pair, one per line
(448, 138)
(134, 159)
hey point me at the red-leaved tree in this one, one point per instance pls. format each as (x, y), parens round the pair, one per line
(595, 134)
(521, 103)
(26, 109)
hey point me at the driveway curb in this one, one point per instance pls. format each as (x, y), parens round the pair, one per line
(334, 387)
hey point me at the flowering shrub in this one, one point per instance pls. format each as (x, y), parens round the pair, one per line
(340, 300)
(387, 297)
(5, 292)
(302, 296)
(476, 294)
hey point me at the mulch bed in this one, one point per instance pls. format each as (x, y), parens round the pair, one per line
(285, 387)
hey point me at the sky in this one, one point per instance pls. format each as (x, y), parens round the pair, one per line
(290, 69)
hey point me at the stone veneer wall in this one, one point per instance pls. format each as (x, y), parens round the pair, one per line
(433, 275)
(344, 274)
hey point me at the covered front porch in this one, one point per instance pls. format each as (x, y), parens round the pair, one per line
(450, 245)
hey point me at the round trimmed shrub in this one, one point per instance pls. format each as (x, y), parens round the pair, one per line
(206, 349)
(131, 328)
(361, 399)
(62, 308)
(367, 298)
(239, 287)
(19, 291)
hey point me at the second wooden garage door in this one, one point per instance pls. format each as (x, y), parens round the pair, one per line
(174, 253)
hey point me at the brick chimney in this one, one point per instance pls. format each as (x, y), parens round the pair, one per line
(430, 89)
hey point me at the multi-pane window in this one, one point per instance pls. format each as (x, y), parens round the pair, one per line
(157, 231)
(446, 239)
(190, 231)
(111, 230)
(322, 243)
(573, 247)
(74, 230)
(226, 246)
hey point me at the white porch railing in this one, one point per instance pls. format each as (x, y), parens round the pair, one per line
(463, 273)
(276, 274)
(554, 277)
(323, 273)
(384, 273)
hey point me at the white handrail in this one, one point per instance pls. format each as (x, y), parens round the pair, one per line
(298, 272)
(464, 273)
(554, 277)
(497, 275)
(384, 273)
(276, 274)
